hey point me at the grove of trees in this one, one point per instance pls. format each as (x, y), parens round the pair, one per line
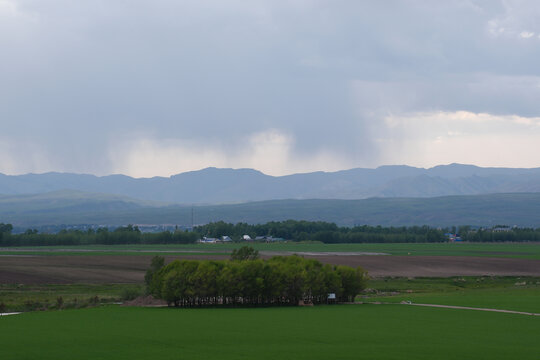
(281, 280)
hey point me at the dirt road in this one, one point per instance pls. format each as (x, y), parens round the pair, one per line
(473, 308)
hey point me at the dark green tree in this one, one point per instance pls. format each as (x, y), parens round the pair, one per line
(6, 228)
(245, 253)
(157, 263)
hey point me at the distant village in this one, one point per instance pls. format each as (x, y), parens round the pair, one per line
(453, 237)
(247, 238)
(295, 231)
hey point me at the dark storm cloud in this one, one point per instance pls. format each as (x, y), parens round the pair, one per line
(85, 83)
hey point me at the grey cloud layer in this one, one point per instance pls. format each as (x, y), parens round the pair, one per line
(80, 78)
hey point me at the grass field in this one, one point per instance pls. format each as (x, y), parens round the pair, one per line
(44, 297)
(512, 250)
(323, 332)
(508, 293)
(365, 331)
(106, 252)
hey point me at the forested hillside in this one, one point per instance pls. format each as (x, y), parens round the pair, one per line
(479, 210)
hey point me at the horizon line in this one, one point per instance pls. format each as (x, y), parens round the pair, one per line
(276, 176)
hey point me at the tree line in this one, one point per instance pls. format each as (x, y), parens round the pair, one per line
(507, 235)
(291, 230)
(323, 231)
(281, 280)
(122, 235)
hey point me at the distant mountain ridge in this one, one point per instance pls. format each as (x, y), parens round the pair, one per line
(212, 185)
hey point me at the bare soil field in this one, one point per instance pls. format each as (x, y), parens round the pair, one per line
(437, 266)
(80, 269)
(131, 269)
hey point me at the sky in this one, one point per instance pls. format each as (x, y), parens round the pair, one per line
(155, 88)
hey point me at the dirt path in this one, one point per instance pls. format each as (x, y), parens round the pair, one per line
(471, 308)
(10, 313)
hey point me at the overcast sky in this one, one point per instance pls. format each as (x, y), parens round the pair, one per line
(159, 87)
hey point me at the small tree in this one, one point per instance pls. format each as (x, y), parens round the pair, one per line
(353, 281)
(157, 263)
(245, 253)
(6, 228)
(59, 302)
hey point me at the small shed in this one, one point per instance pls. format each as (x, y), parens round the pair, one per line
(331, 299)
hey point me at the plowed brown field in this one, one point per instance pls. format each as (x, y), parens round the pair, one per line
(131, 269)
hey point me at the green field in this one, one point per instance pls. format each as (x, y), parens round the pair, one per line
(386, 331)
(507, 293)
(514, 250)
(323, 332)
(85, 252)
(44, 297)
(527, 300)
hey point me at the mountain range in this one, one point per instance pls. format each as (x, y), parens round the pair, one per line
(213, 186)
(389, 195)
